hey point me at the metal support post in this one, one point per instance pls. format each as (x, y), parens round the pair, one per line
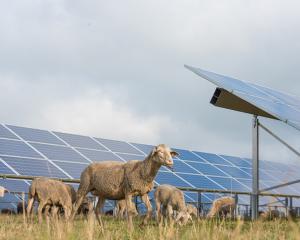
(236, 198)
(199, 204)
(286, 206)
(255, 169)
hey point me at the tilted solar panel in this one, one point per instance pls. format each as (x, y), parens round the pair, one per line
(261, 100)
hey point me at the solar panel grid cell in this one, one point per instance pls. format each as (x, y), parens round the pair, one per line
(170, 178)
(4, 169)
(213, 158)
(187, 155)
(34, 167)
(54, 152)
(75, 140)
(230, 184)
(17, 148)
(73, 169)
(98, 156)
(118, 146)
(35, 135)
(5, 133)
(237, 161)
(200, 181)
(207, 169)
(14, 185)
(234, 172)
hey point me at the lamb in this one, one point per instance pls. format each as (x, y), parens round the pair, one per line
(171, 199)
(49, 192)
(121, 207)
(270, 214)
(222, 207)
(117, 181)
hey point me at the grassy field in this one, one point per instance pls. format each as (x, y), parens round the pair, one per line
(13, 227)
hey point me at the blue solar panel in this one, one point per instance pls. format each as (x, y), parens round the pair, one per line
(146, 149)
(188, 155)
(35, 135)
(9, 198)
(128, 157)
(17, 148)
(230, 184)
(98, 156)
(170, 178)
(34, 167)
(54, 152)
(207, 169)
(237, 161)
(180, 166)
(14, 185)
(213, 158)
(118, 146)
(4, 169)
(4, 133)
(263, 175)
(73, 169)
(199, 181)
(234, 172)
(79, 141)
(279, 105)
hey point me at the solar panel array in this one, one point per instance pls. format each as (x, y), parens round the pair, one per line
(27, 151)
(278, 104)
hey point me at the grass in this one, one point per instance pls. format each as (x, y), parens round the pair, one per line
(13, 227)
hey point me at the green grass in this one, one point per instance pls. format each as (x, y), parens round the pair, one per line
(13, 227)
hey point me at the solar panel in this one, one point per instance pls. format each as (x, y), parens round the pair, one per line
(119, 146)
(35, 135)
(34, 167)
(98, 156)
(4, 133)
(79, 141)
(17, 148)
(4, 169)
(42, 157)
(54, 152)
(212, 158)
(266, 101)
(207, 169)
(73, 169)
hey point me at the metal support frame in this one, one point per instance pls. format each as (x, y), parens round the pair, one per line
(199, 204)
(255, 168)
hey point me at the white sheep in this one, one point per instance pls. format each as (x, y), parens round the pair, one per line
(117, 181)
(49, 192)
(169, 199)
(221, 207)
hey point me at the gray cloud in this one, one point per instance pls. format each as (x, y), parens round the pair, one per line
(56, 55)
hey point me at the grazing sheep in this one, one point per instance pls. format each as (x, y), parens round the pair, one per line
(221, 207)
(270, 214)
(117, 181)
(192, 210)
(49, 192)
(121, 207)
(171, 199)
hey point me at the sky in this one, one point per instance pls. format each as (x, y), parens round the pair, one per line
(114, 69)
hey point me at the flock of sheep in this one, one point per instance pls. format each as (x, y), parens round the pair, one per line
(121, 181)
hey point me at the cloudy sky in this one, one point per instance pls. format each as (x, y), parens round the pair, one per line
(114, 69)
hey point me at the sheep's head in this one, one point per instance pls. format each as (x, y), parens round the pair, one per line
(183, 217)
(163, 155)
(192, 210)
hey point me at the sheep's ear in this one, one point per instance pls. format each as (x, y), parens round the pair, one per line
(154, 151)
(174, 154)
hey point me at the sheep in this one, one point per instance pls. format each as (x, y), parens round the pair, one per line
(270, 214)
(117, 181)
(171, 199)
(222, 207)
(49, 192)
(121, 207)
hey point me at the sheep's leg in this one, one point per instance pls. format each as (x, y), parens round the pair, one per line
(47, 212)
(169, 213)
(40, 211)
(98, 210)
(128, 210)
(147, 202)
(29, 208)
(158, 211)
(77, 204)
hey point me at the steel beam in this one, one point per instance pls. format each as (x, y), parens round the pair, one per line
(255, 168)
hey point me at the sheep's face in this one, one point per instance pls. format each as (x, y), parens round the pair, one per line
(183, 218)
(163, 155)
